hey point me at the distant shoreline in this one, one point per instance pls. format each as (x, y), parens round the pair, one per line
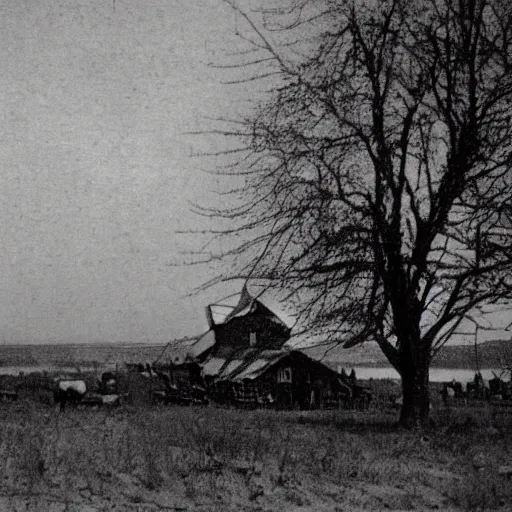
(85, 344)
(363, 373)
(497, 354)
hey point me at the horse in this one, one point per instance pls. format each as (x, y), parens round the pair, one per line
(499, 387)
(477, 388)
(71, 391)
(107, 385)
(452, 391)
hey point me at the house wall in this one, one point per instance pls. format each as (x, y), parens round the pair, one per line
(235, 334)
(312, 386)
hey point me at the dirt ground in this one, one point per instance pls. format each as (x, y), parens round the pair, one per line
(211, 459)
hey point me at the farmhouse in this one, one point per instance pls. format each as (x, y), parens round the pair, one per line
(245, 361)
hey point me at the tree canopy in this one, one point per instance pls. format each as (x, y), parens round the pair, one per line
(377, 173)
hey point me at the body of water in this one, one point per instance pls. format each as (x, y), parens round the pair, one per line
(16, 370)
(362, 372)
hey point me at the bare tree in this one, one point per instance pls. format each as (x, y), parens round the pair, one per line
(377, 173)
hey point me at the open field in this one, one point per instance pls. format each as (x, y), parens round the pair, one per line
(212, 459)
(139, 457)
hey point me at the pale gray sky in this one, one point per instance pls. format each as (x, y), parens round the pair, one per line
(95, 167)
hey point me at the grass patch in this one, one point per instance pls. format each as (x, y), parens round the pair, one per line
(249, 456)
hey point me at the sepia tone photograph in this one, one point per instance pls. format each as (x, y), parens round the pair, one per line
(256, 255)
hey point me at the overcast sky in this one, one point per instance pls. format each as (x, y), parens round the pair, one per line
(96, 172)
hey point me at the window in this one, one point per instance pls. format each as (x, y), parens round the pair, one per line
(284, 375)
(252, 339)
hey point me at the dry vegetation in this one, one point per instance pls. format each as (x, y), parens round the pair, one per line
(149, 458)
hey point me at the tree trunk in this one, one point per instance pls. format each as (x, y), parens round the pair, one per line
(415, 390)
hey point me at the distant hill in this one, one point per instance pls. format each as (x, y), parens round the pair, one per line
(491, 354)
(78, 354)
(368, 354)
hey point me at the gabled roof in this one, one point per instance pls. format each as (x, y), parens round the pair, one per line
(218, 314)
(202, 344)
(258, 366)
(245, 364)
(250, 363)
(231, 367)
(246, 304)
(213, 366)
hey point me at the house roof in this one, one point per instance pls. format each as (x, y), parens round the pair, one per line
(231, 367)
(201, 345)
(259, 366)
(246, 304)
(243, 364)
(253, 370)
(250, 364)
(212, 367)
(219, 314)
